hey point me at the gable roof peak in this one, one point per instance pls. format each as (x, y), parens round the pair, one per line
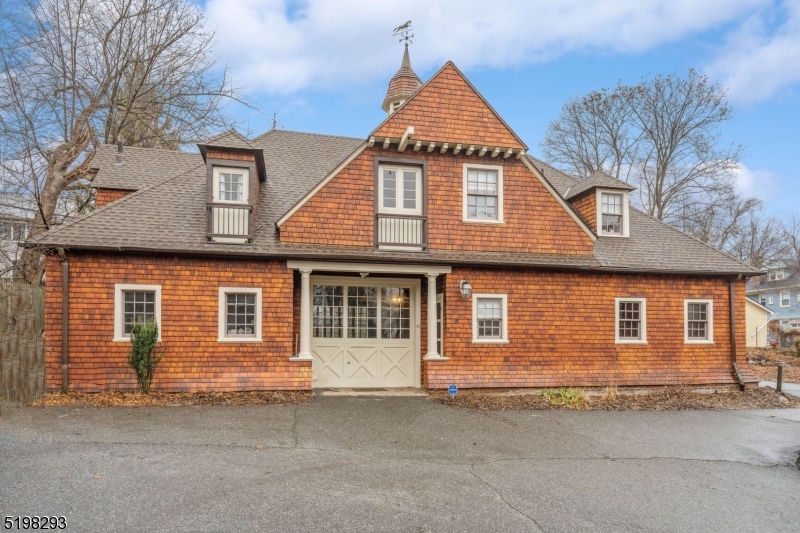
(598, 179)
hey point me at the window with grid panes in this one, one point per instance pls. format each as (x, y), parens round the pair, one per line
(140, 306)
(482, 194)
(630, 320)
(400, 190)
(697, 321)
(611, 211)
(231, 187)
(395, 313)
(362, 312)
(328, 311)
(490, 318)
(240, 320)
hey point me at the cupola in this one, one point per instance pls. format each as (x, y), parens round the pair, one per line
(402, 85)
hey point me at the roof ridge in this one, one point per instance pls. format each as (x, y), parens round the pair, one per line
(310, 133)
(673, 228)
(70, 223)
(167, 150)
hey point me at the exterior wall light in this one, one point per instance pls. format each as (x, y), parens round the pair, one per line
(466, 289)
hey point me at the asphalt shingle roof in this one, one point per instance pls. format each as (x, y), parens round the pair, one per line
(141, 167)
(169, 216)
(598, 179)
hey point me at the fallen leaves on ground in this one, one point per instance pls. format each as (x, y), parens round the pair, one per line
(134, 399)
(765, 364)
(663, 399)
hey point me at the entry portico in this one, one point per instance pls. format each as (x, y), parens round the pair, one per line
(365, 332)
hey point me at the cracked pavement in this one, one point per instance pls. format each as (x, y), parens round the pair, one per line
(400, 464)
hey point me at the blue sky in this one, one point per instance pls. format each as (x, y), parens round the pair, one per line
(323, 66)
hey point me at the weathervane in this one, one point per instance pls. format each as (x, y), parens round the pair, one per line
(404, 31)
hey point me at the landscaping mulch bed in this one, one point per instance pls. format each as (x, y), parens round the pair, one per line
(765, 364)
(135, 399)
(664, 399)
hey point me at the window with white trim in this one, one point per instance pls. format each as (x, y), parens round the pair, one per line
(785, 299)
(135, 303)
(489, 318)
(771, 300)
(483, 193)
(231, 184)
(698, 322)
(328, 312)
(631, 320)
(762, 300)
(239, 314)
(611, 212)
(400, 190)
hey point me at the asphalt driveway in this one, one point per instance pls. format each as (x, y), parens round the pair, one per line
(400, 464)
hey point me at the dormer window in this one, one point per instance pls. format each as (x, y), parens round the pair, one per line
(776, 275)
(612, 213)
(231, 184)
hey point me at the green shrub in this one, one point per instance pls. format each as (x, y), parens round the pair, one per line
(145, 355)
(797, 347)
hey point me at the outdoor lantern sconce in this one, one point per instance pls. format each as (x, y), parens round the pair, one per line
(466, 289)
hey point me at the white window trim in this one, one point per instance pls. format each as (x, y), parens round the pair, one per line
(643, 324)
(771, 300)
(238, 170)
(222, 313)
(399, 190)
(798, 297)
(504, 306)
(119, 308)
(789, 299)
(710, 320)
(625, 212)
(465, 193)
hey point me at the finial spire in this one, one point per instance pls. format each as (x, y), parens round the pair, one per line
(406, 59)
(405, 83)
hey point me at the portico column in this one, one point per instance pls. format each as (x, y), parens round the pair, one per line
(305, 315)
(431, 317)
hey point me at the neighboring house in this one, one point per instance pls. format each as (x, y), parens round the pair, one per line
(778, 291)
(16, 214)
(757, 319)
(432, 251)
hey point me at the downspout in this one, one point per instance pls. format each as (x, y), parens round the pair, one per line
(734, 350)
(64, 321)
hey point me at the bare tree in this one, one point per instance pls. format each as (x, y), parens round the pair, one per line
(661, 134)
(78, 73)
(759, 241)
(790, 233)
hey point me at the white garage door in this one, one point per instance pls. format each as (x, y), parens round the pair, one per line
(364, 333)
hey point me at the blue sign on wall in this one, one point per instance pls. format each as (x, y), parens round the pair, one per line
(452, 389)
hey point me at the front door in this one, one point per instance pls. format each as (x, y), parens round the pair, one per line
(364, 333)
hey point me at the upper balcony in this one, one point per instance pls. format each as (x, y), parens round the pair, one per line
(229, 222)
(406, 232)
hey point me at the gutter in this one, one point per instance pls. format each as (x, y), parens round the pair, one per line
(64, 321)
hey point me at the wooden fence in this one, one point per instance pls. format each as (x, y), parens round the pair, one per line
(21, 343)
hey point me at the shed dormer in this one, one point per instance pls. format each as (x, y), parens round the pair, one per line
(402, 86)
(603, 202)
(234, 172)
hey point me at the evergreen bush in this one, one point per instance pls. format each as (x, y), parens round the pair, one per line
(145, 354)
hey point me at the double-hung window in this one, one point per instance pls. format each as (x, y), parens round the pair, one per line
(231, 185)
(785, 299)
(489, 318)
(239, 314)
(631, 320)
(698, 322)
(763, 299)
(611, 212)
(135, 304)
(400, 190)
(483, 193)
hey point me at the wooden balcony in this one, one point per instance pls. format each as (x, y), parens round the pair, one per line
(401, 231)
(229, 222)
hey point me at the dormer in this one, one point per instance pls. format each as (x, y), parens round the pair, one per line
(402, 86)
(603, 203)
(234, 172)
(776, 274)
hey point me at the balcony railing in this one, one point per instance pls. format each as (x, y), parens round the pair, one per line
(402, 231)
(229, 221)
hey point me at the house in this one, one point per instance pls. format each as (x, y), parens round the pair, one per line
(757, 318)
(778, 291)
(16, 213)
(431, 251)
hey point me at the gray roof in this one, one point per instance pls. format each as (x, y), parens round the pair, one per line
(169, 216)
(598, 179)
(762, 284)
(229, 139)
(141, 167)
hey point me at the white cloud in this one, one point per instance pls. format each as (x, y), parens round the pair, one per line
(760, 183)
(762, 56)
(279, 46)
